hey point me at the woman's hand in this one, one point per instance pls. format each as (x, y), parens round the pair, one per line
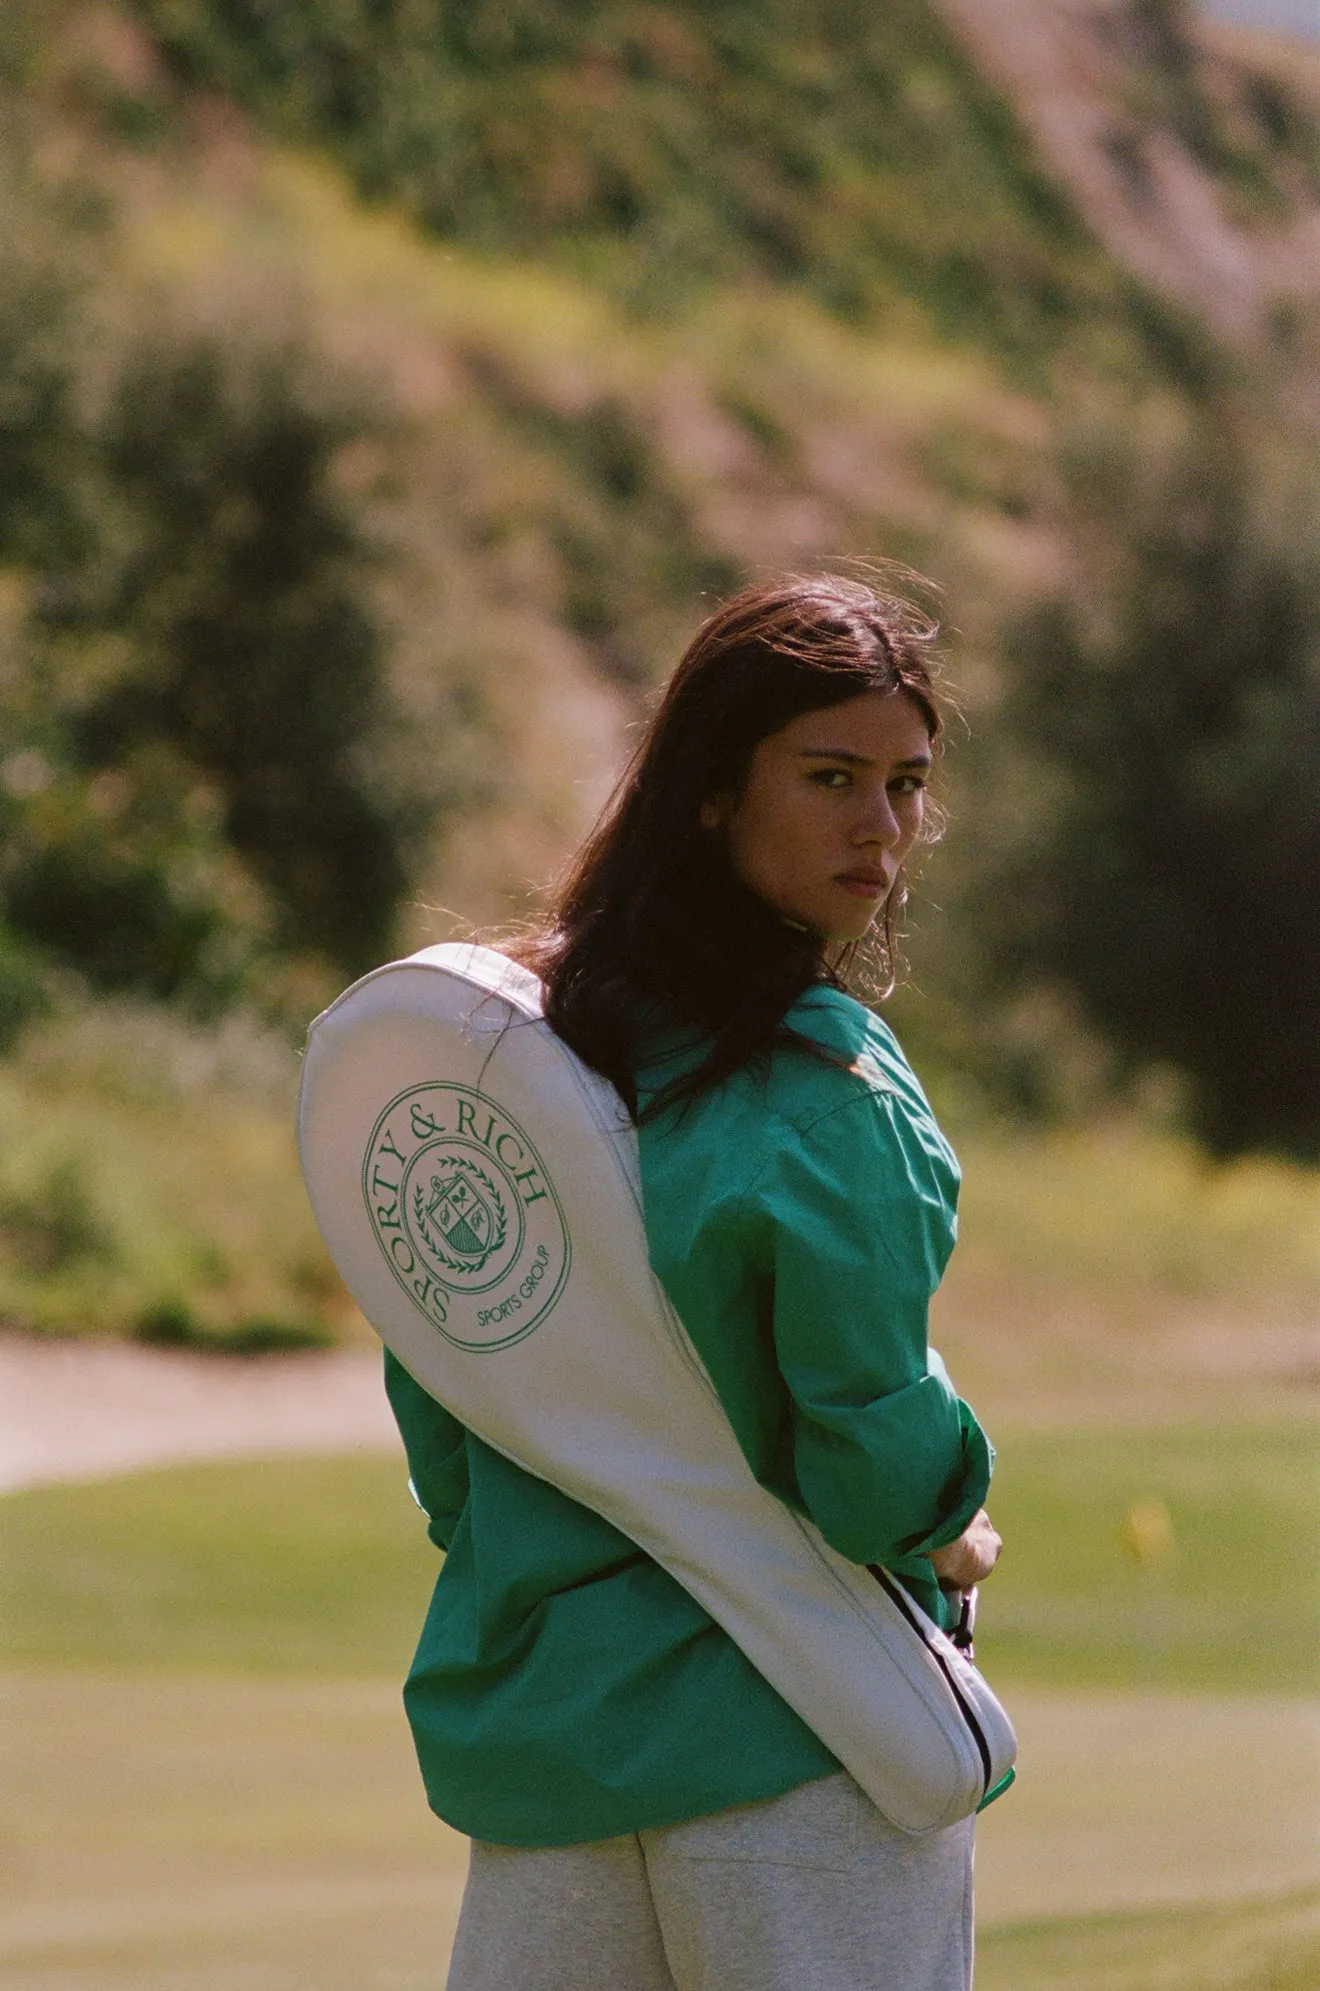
(971, 1558)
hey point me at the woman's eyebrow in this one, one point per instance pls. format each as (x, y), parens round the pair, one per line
(916, 763)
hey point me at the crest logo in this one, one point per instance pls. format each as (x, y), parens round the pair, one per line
(465, 1214)
(471, 1225)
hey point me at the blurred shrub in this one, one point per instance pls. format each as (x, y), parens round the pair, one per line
(50, 1222)
(23, 990)
(234, 582)
(174, 1324)
(1168, 813)
(194, 706)
(148, 1162)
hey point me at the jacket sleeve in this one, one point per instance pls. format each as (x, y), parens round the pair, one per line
(436, 1445)
(856, 1221)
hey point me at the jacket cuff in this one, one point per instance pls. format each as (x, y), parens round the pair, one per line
(965, 1494)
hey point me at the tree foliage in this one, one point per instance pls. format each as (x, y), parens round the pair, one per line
(193, 693)
(238, 587)
(1168, 864)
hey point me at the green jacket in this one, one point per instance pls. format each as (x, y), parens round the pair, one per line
(799, 1218)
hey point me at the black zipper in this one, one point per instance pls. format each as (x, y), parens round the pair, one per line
(896, 1596)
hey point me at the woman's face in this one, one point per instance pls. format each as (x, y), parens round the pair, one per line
(832, 805)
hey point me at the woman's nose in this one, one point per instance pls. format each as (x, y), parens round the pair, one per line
(878, 823)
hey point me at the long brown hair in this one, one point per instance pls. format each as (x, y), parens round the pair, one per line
(652, 926)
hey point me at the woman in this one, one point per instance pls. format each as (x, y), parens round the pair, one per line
(647, 1814)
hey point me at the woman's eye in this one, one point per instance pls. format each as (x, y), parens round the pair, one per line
(832, 777)
(907, 784)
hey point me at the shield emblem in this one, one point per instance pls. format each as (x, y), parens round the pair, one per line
(463, 1217)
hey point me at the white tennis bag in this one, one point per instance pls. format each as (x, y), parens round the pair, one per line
(479, 1190)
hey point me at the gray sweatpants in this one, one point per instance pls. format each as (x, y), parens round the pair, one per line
(812, 1891)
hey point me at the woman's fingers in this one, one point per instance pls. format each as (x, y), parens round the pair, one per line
(971, 1558)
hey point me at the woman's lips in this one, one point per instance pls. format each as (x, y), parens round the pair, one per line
(864, 885)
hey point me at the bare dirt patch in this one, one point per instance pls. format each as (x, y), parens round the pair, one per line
(1079, 74)
(74, 1410)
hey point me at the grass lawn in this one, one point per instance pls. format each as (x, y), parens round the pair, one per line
(167, 1833)
(321, 1567)
(1258, 1946)
(1236, 1604)
(195, 1834)
(309, 1567)
(210, 1786)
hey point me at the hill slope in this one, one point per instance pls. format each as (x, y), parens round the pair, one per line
(632, 306)
(1190, 155)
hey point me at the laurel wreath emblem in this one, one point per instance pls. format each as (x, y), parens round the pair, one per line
(436, 1245)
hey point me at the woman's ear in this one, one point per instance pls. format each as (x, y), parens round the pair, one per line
(712, 815)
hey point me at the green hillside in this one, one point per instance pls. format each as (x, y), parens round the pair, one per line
(656, 152)
(384, 391)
